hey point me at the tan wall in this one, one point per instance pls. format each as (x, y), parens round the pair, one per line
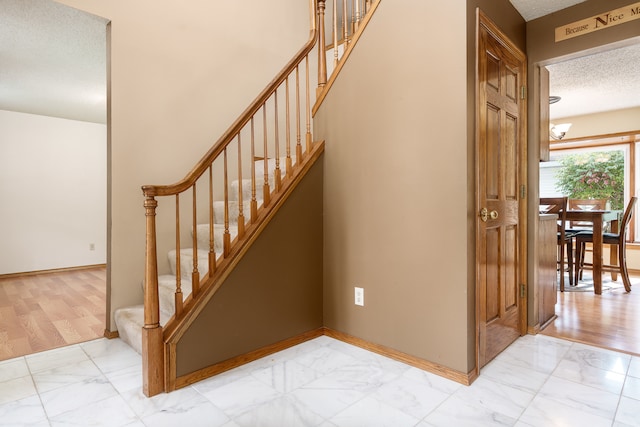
(602, 123)
(397, 215)
(180, 74)
(274, 293)
(542, 49)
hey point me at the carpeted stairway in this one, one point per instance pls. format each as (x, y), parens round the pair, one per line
(130, 320)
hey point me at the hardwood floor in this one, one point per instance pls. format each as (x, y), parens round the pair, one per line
(610, 320)
(43, 311)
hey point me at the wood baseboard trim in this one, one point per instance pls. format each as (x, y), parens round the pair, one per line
(218, 368)
(111, 334)
(243, 359)
(548, 322)
(537, 328)
(54, 270)
(443, 371)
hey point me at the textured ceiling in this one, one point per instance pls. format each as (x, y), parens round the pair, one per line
(532, 9)
(601, 82)
(52, 60)
(53, 63)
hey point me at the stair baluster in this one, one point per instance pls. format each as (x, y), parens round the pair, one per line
(178, 292)
(289, 165)
(308, 109)
(298, 144)
(195, 274)
(212, 252)
(266, 191)
(254, 201)
(277, 178)
(227, 233)
(322, 57)
(240, 201)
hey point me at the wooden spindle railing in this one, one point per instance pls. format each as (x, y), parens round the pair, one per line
(240, 220)
(178, 294)
(347, 17)
(289, 165)
(215, 174)
(254, 200)
(322, 57)
(212, 253)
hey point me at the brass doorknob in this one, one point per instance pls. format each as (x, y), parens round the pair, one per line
(485, 215)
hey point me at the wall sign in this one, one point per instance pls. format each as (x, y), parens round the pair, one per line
(599, 22)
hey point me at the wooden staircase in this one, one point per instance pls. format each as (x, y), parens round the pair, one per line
(208, 221)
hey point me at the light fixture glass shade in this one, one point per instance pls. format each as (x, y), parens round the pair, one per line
(558, 131)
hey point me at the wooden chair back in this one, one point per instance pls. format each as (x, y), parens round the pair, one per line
(626, 219)
(611, 239)
(579, 204)
(556, 205)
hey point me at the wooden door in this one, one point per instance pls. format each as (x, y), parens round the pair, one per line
(501, 206)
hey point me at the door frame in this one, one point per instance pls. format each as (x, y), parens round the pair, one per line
(482, 20)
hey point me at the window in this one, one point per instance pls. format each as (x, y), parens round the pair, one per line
(594, 167)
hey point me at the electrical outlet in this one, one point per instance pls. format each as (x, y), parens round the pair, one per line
(92, 246)
(359, 296)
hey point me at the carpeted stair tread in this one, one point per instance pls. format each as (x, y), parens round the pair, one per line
(218, 234)
(218, 212)
(166, 293)
(186, 262)
(130, 320)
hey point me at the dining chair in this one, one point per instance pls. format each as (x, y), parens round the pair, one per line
(584, 204)
(558, 205)
(619, 239)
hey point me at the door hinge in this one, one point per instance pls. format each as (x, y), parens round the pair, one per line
(522, 290)
(523, 92)
(523, 191)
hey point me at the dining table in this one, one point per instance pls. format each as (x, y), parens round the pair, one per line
(597, 218)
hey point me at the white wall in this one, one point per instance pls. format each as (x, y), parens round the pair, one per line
(53, 199)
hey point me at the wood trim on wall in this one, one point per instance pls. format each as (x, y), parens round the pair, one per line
(53, 270)
(111, 334)
(243, 359)
(434, 368)
(443, 371)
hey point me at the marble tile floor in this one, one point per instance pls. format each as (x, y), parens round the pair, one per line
(537, 381)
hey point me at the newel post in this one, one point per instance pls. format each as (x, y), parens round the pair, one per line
(322, 56)
(152, 348)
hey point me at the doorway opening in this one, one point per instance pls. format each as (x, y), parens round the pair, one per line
(598, 109)
(53, 174)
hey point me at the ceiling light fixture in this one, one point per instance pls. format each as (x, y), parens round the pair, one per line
(553, 99)
(558, 132)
